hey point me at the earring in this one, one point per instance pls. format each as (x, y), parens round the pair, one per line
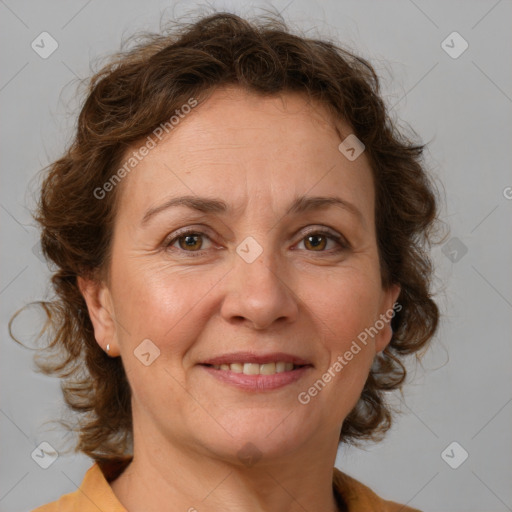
(108, 348)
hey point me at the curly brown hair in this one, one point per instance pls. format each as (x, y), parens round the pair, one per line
(132, 95)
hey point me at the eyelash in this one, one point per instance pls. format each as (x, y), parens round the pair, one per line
(340, 240)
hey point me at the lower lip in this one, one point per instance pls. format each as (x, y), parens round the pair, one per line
(258, 382)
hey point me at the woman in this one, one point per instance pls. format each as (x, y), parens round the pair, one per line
(241, 240)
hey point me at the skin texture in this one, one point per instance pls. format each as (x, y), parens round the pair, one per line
(257, 154)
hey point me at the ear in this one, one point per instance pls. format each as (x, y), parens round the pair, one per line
(99, 304)
(388, 311)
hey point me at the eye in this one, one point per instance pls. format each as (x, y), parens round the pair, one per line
(317, 241)
(189, 241)
(192, 241)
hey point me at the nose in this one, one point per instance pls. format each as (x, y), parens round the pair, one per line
(259, 294)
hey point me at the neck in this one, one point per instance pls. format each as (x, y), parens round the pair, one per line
(172, 476)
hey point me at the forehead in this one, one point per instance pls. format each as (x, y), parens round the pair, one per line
(247, 147)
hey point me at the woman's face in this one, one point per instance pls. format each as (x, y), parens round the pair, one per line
(261, 278)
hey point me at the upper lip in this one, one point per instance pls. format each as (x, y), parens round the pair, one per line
(251, 357)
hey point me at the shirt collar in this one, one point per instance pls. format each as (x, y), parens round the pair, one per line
(96, 495)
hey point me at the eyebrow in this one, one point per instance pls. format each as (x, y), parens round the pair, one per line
(300, 204)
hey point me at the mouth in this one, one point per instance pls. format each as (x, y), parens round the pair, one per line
(270, 368)
(255, 372)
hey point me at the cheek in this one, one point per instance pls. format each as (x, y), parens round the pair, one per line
(345, 309)
(162, 305)
(346, 304)
(167, 308)
(342, 308)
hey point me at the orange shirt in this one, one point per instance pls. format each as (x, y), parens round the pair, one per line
(96, 494)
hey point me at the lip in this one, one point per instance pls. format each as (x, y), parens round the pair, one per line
(251, 357)
(257, 382)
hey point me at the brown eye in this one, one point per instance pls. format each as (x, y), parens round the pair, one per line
(315, 242)
(191, 241)
(188, 241)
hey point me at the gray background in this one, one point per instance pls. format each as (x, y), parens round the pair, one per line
(462, 392)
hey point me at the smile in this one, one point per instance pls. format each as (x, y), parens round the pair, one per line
(257, 369)
(257, 377)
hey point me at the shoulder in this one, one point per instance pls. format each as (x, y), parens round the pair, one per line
(360, 498)
(66, 503)
(93, 494)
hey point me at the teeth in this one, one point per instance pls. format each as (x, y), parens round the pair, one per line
(256, 369)
(251, 368)
(267, 368)
(236, 367)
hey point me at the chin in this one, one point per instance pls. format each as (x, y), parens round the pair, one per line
(253, 437)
